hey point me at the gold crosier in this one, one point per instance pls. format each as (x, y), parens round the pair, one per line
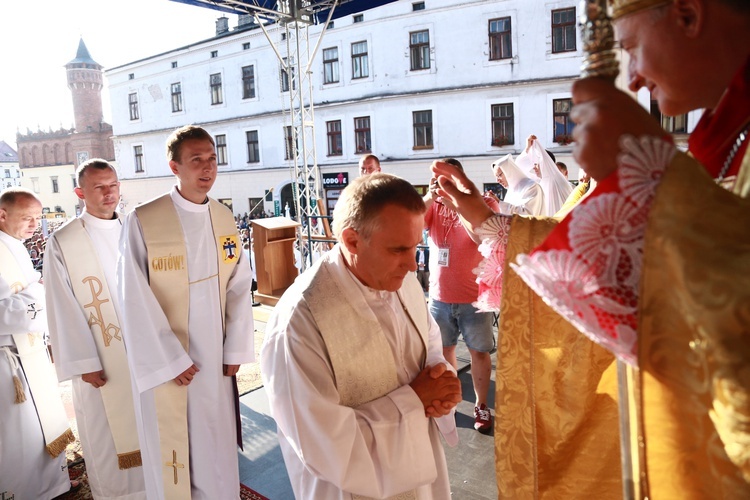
(600, 61)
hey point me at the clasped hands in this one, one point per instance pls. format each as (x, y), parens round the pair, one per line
(438, 388)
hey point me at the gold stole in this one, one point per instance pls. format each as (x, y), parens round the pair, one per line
(361, 358)
(92, 293)
(556, 433)
(40, 374)
(693, 337)
(168, 279)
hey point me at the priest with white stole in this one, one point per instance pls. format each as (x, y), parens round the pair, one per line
(87, 338)
(185, 288)
(353, 361)
(34, 428)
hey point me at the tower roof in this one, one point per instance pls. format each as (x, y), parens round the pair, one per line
(83, 57)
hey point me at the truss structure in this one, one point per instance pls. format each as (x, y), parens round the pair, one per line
(296, 53)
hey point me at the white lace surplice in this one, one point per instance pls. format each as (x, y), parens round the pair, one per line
(588, 269)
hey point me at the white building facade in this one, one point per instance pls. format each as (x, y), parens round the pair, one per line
(409, 82)
(10, 172)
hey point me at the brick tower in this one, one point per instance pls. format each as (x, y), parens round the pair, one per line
(85, 83)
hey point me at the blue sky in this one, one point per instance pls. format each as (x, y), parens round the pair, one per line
(40, 37)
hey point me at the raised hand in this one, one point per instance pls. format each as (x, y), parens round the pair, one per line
(603, 114)
(462, 193)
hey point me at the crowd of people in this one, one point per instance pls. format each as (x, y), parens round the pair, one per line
(627, 289)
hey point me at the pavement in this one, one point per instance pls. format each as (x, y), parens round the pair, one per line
(471, 464)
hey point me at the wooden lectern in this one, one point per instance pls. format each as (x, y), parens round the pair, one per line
(273, 245)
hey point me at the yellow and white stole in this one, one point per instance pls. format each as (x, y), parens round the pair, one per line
(92, 293)
(168, 279)
(361, 358)
(40, 374)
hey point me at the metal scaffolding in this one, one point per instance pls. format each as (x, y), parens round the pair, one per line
(296, 54)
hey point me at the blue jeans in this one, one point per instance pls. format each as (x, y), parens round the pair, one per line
(464, 319)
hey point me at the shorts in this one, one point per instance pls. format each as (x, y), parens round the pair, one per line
(454, 319)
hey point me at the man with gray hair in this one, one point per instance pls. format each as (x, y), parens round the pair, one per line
(352, 360)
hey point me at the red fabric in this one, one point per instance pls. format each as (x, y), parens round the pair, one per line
(715, 133)
(597, 247)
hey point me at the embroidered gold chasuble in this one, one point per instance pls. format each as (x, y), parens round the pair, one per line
(694, 334)
(556, 430)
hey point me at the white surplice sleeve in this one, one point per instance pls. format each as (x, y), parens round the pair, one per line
(14, 311)
(73, 346)
(239, 343)
(378, 449)
(155, 354)
(446, 423)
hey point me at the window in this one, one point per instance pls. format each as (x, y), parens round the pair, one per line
(500, 42)
(419, 48)
(138, 158)
(214, 53)
(246, 46)
(174, 64)
(358, 18)
(502, 125)
(422, 129)
(253, 147)
(55, 186)
(290, 149)
(417, 6)
(75, 181)
(563, 30)
(256, 207)
(176, 97)
(133, 102)
(131, 76)
(217, 96)
(672, 124)
(362, 141)
(333, 129)
(562, 124)
(7, 173)
(284, 74)
(248, 82)
(227, 202)
(331, 65)
(359, 60)
(35, 184)
(221, 149)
